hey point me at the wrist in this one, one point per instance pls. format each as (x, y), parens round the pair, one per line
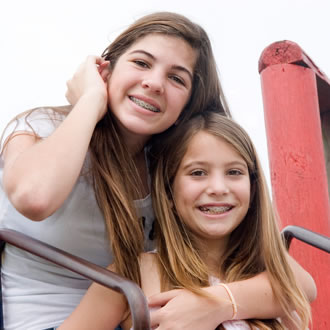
(223, 308)
(232, 300)
(94, 104)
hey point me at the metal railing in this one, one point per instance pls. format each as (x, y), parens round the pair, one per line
(134, 295)
(307, 236)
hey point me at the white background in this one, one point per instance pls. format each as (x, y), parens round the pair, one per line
(42, 42)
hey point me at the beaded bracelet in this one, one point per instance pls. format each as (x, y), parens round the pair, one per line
(232, 299)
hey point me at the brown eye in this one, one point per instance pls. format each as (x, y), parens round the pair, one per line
(198, 173)
(235, 172)
(178, 80)
(141, 63)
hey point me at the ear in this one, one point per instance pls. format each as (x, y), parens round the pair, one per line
(105, 70)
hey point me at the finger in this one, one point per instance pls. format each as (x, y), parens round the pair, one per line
(161, 299)
(92, 61)
(102, 66)
(96, 59)
(154, 318)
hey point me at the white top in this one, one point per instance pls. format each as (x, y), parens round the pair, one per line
(36, 293)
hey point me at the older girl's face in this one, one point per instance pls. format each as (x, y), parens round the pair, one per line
(150, 85)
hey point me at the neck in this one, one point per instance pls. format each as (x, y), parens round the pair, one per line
(212, 252)
(135, 143)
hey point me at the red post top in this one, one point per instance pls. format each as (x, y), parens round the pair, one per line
(288, 52)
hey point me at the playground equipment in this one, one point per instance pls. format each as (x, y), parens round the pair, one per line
(296, 96)
(134, 295)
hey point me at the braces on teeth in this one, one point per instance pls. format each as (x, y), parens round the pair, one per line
(144, 105)
(216, 209)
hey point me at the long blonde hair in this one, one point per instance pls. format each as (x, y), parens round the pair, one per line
(116, 179)
(254, 246)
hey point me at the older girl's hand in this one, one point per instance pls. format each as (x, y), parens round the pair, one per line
(90, 80)
(182, 309)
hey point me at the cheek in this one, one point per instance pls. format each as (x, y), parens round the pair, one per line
(178, 98)
(190, 195)
(119, 75)
(185, 100)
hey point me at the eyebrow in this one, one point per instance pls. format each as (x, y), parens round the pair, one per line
(203, 163)
(175, 67)
(190, 164)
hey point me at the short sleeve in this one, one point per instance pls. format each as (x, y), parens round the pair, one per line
(41, 121)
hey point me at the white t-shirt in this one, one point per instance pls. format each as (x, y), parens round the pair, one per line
(38, 294)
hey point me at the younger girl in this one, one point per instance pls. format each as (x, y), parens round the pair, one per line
(216, 222)
(215, 225)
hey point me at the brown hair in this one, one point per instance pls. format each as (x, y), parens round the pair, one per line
(254, 246)
(116, 179)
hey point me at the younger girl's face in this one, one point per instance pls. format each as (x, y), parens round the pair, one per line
(211, 189)
(150, 85)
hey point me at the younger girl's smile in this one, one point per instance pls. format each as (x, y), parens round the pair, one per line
(215, 209)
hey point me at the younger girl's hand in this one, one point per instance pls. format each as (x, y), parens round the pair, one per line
(90, 80)
(182, 309)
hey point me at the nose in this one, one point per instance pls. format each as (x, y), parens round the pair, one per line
(217, 186)
(154, 82)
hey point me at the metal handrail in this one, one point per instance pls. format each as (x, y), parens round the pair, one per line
(307, 236)
(134, 295)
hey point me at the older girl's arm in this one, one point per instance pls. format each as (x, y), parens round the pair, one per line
(40, 174)
(255, 297)
(182, 309)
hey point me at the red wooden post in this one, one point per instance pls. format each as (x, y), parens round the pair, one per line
(292, 87)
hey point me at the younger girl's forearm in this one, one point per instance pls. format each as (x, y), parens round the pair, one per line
(101, 308)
